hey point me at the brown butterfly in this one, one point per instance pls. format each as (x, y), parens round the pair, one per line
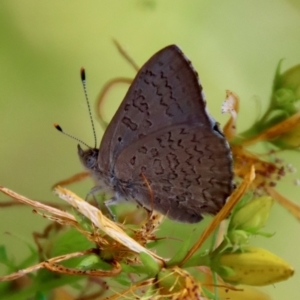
(162, 136)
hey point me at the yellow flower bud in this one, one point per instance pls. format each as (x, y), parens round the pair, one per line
(253, 215)
(253, 266)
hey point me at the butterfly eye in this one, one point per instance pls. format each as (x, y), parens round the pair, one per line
(90, 162)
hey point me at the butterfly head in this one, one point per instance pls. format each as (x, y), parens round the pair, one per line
(88, 157)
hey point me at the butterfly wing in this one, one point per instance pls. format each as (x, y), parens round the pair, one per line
(164, 92)
(163, 131)
(187, 171)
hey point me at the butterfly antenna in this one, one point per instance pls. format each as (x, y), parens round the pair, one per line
(83, 80)
(71, 136)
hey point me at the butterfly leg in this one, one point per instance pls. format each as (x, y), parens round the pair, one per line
(99, 202)
(117, 198)
(107, 204)
(95, 190)
(113, 201)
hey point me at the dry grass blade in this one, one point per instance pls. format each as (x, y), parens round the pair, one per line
(51, 264)
(126, 55)
(72, 179)
(104, 91)
(276, 130)
(103, 223)
(37, 205)
(233, 199)
(292, 207)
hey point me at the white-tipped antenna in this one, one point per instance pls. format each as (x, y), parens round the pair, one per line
(71, 136)
(83, 80)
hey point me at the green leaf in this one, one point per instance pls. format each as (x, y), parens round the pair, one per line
(152, 266)
(181, 253)
(123, 279)
(135, 269)
(3, 254)
(68, 241)
(208, 293)
(198, 259)
(277, 77)
(40, 296)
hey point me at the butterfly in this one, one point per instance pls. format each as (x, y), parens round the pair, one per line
(162, 148)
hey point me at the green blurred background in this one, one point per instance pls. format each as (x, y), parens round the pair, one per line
(233, 45)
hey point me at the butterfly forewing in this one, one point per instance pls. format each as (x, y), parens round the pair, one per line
(164, 92)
